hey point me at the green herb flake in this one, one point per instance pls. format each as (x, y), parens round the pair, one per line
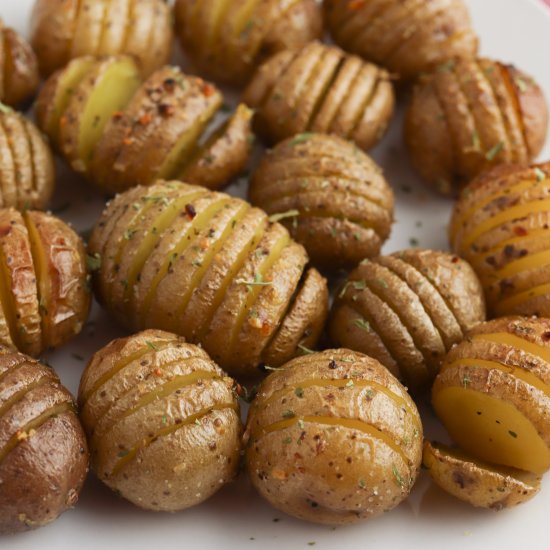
(370, 393)
(400, 482)
(197, 422)
(301, 424)
(287, 440)
(513, 434)
(446, 67)
(164, 419)
(304, 350)
(258, 281)
(283, 215)
(151, 345)
(382, 283)
(494, 151)
(466, 381)
(362, 324)
(540, 174)
(5, 109)
(129, 234)
(301, 138)
(359, 285)
(521, 84)
(93, 262)
(476, 142)
(299, 392)
(288, 414)
(362, 483)
(350, 384)
(123, 453)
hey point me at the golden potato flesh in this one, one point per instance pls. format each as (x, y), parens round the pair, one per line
(43, 450)
(500, 225)
(493, 393)
(333, 438)
(227, 39)
(471, 115)
(62, 30)
(405, 36)
(211, 268)
(321, 89)
(407, 310)
(330, 195)
(162, 420)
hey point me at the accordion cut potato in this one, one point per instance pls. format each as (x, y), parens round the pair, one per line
(121, 132)
(333, 438)
(43, 450)
(500, 225)
(405, 36)
(407, 310)
(227, 39)
(470, 115)
(321, 89)
(331, 197)
(44, 295)
(493, 393)
(162, 420)
(62, 30)
(211, 268)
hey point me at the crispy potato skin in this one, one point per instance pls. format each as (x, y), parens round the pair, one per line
(330, 195)
(43, 450)
(226, 44)
(162, 420)
(327, 432)
(321, 89)
(471, 115)
(407, 310)
(500, 225)
(407, 37)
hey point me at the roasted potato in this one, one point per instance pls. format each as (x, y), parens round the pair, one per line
(492, 393)
(162, 420)
(407, 310)
(477, 482)
(44, 295)
(333, 438)
(227, 39)
(120, 132)
(43, 451)
(321, 89)
(211, 268)
(407, 37)
(62, 30)
(471, 115)
(500, 225)
(331, 197)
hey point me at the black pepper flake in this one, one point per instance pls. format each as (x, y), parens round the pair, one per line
(332, 365)
(190, 211)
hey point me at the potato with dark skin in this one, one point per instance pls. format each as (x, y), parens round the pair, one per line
(407, 310)
(330, 195)
(43, 450)
(333, 438)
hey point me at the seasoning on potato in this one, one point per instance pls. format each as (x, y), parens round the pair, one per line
(333, 438)
(500, 225)
(471, 115)
(321, 89)
(62, 30)
(210, 267)
(407, 310)
(43, 450)
(162, 421)
(330, 195)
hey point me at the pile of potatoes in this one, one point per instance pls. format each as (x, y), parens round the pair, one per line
(291, 290)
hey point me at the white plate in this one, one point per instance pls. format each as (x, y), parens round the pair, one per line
(515, 31)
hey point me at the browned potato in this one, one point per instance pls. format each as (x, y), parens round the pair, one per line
(321, 89)
(162, 421)
(227, 39)
(405, 36)
(62, 30)
(500, 225)
(477, 482)
(407, 310)
(211, 268)
(333, 438)
(43, 451)
(44, 295)
(470, 115)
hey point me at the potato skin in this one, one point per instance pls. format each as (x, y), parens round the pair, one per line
(162, 420)
(330, 195)
(333, 438)
(43, 450)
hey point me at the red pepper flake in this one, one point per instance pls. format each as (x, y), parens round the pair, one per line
(520, 231)
(117, 115)
(266, 329)
(356, 5)
(145, 119)
(208, 90)
(190, 211)
(157, 372)
(546, 335)
(454, 259)
(128, 141)
(165, 110)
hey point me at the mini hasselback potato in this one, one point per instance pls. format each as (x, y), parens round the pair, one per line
(330, 195)
(62, 30)
(162, 421)
(500, 224)
(333, 438)
(321, 89)
(209, 267)
(407, 310)
(44, 294)
(43, 450)
(227, 39)
(405, 36)
(470, 115)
